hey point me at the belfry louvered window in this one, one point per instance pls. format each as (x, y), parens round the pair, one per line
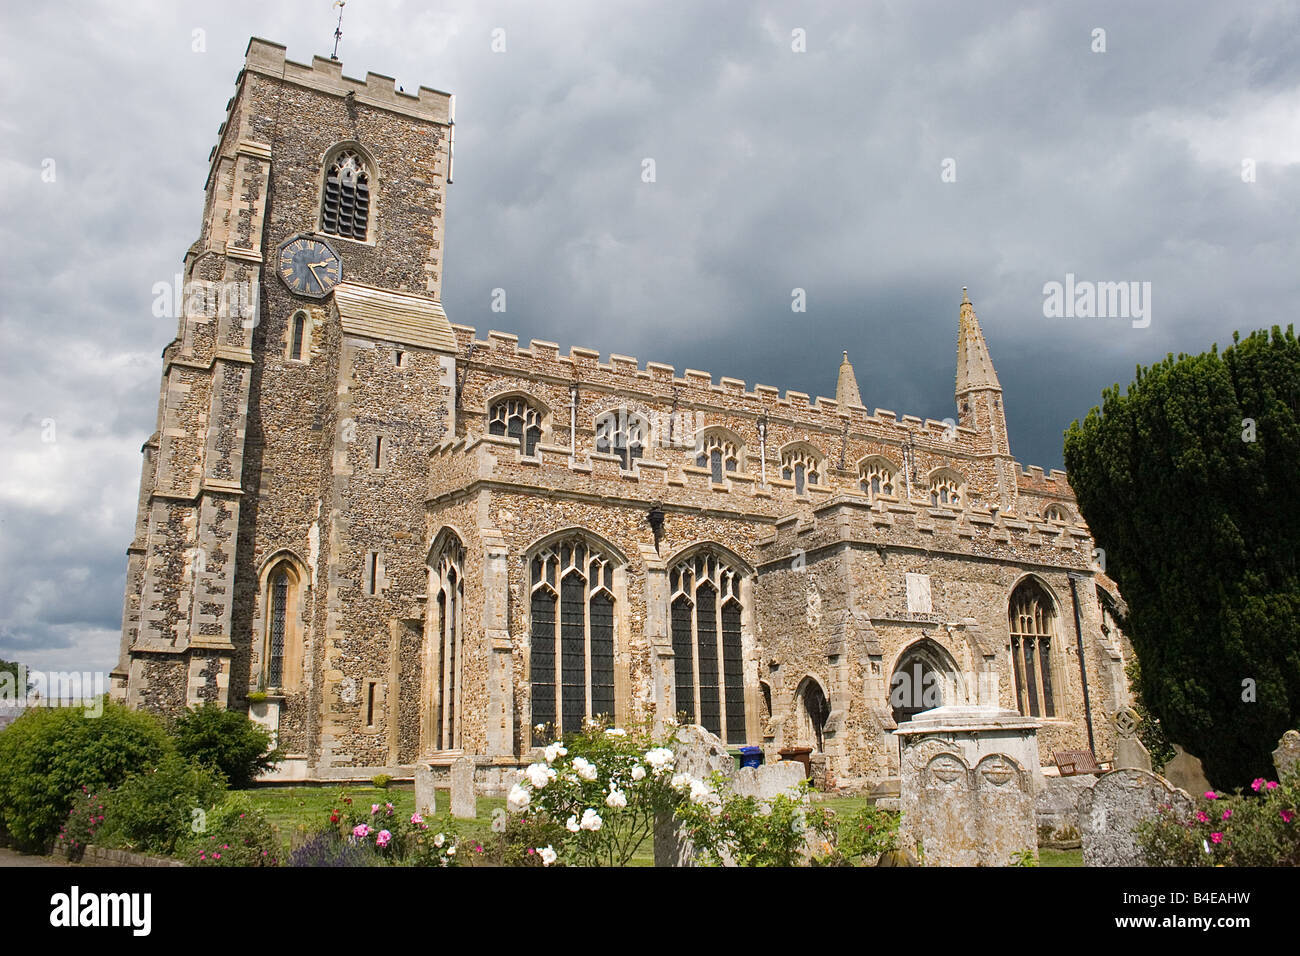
(708, 657)
(515, 418)
(571, 658)
(345, 207)
(1032, 623)
(449, 601)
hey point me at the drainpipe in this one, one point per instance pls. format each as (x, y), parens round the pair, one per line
(762, 449)
(573, 422)
(1083, 669)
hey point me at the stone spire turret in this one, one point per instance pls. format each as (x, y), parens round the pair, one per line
(846, 389)
(974, 367)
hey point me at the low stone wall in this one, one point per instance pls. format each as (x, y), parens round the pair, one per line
(102, 856)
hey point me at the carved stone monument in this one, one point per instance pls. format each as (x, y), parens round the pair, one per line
(969, 776)
(1130, 752)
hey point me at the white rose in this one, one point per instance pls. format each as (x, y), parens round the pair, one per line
(590, 820)
(616, 732)
(549, 855)
(585, 769)
(638, 772)
(518, 799)
(439, 840)
(572, 826)
(700, 791)
(539, 775)
(554, 752)
(682, 781)
(616, 799)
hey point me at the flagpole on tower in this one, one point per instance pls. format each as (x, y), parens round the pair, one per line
(338, 30)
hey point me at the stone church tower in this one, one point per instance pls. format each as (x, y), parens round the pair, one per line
(282, 494)
(396, 543)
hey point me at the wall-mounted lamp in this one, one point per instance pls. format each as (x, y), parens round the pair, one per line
(656, 519)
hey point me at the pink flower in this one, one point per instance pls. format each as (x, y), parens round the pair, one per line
(532, 852)
(216, 856)
(201, 856)
(1226, 814)
(1211, 795)
(1256, 784)
(416, 818)
(361, 830)
(374, 808)
(1286, 815)
(1216, 837)
(1200, 816)
(390, 809)
(1271, 785)
(383, 838)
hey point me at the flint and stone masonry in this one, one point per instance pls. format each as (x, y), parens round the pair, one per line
(398, 544)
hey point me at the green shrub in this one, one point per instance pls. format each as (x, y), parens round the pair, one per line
(868, 833)
(226, 740)
(750, 832)
(381, 781)
(84, 821)
(48, 754)
(236, 834)
(157, 809)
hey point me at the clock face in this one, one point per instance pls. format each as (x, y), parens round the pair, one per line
(309, 267)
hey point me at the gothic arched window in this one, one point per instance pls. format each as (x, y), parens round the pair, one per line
(803, 466)
(345, 202)
(877, 476)
(708, 659)
(571, 651)
(717, 452)
(517, 419)
(282, 642)
(1032, 621)
(1055, 513)
(447, 581)
(622, 433)
(947, 490)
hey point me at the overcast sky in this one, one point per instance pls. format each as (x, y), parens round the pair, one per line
(775, 169)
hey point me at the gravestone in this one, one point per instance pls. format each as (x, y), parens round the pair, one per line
(1110, 811)
(1287, 756)
(1056, 810)
(1185, 772)
(968, 781)
(425, 799)
(1130, 753)
(462, 789)
(698, 753)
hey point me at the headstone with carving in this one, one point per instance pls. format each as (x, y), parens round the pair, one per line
(1110, 811)
(967, 785)
(1286, 759)
(462, 789)
(1130, 752)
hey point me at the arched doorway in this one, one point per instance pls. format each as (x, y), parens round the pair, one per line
(924, 678)
(813, 710)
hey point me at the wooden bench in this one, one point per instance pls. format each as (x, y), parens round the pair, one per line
(1074, 762)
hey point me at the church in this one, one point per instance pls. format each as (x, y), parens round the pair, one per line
(396, 542)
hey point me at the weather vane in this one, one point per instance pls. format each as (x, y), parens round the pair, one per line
(338, 30)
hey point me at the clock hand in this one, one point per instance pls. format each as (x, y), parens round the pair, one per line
(312, 266)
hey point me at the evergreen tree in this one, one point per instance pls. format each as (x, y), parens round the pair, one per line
(1188, 483)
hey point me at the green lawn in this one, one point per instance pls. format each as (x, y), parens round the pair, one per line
(299, 811)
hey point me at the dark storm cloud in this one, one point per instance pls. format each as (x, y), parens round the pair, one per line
(775, 170)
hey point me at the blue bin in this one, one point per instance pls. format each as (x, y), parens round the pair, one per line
(751, 756)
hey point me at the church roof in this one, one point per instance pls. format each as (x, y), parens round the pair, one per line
(398, 317)
(974, 367)
(846, 389)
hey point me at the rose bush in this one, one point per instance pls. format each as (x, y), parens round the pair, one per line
(1256, 828)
